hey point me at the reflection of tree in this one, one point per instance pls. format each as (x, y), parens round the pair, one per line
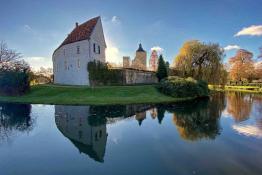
(14, 117)
(199, 119)
(239, 105)
(114, 113)
(258, 107)
(160, 113)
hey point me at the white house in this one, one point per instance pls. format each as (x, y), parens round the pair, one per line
(85, 43)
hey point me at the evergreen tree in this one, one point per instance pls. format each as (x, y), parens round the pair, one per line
(162, 69)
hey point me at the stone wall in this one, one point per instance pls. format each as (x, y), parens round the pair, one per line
(132, 76)
(135, 76)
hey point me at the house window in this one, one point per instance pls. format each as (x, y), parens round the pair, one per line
(78, 63)
(78, 49)
(65, 65)
(94, 47)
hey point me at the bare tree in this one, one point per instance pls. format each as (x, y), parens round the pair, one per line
(8, 55)
(11, 59)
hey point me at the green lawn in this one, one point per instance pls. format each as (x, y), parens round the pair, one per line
(55, 94)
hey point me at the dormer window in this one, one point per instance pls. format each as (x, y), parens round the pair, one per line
(78, 49)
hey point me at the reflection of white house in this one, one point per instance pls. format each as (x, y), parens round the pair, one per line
(85, 43)
(73, 122)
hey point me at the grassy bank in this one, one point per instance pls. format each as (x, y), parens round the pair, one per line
(77, 95)
(250, 89)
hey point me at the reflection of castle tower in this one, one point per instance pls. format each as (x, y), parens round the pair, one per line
(153, 113)
(153, 62)
(140, 117)
(140, 60)
(89, 138)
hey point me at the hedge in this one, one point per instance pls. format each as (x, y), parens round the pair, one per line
(183, 87)
(14, 82)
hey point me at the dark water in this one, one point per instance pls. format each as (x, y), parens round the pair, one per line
(222, 135)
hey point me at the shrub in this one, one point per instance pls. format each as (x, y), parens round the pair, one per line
(180, 87)
(100, 74)
(14, 82)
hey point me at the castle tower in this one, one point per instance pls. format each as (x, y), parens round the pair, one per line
(126, 62)
(153, 62)
(140, 60)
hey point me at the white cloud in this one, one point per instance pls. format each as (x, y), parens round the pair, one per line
(113, 54)
(37, 62)
(231, 47)
(254, 30)
(115, 19)
(27, 28)
(158, 49)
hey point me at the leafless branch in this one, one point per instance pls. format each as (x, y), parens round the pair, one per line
(8, 55)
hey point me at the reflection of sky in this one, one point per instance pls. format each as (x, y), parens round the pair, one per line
(248, 130)
(151, 148)
(252, 126)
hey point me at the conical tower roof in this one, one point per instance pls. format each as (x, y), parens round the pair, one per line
(140, 48)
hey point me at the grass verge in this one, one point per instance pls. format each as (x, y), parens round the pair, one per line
(83, 95)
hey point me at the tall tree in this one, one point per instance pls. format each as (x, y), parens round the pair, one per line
(162, 69)
(200, 61)
(14, 72)
(242, 66)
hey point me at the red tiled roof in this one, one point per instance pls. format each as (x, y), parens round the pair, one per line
(81, 32)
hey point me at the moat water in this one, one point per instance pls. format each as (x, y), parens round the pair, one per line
(220, 135)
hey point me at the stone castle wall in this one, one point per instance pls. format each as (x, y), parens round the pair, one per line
(135, 76)
(130, 76)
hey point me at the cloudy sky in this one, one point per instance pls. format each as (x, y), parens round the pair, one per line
(36, 27)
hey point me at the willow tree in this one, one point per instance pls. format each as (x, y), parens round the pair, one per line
(201, 61)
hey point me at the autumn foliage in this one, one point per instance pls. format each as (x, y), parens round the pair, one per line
(242, 66)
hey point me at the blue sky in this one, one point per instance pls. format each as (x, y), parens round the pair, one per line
(36, 27)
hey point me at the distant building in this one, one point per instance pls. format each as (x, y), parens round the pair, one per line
(139, 61)
(153, 61)
(126, 62)
(84, 44)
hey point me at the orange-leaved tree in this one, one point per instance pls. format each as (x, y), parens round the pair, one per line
(242, 66)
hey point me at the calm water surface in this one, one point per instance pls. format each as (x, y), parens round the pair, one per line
(222, 135)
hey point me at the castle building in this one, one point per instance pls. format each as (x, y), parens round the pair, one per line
(84, 44)
(139, 61)
(153, 61)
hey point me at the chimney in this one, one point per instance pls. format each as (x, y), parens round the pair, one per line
(76, 24)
